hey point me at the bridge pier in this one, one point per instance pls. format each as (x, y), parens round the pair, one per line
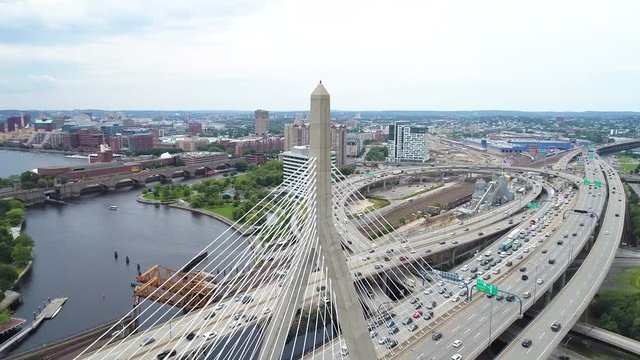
(563, 279)
(547, 296)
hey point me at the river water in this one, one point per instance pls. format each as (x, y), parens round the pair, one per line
(74, 253)
(13, 162)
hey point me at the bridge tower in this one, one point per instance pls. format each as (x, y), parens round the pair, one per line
(352, 321)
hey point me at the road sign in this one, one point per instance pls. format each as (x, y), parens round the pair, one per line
(598, 183)
(533, 205)
(370, 174)
(591, 157)
(486, 288)
(587, 182)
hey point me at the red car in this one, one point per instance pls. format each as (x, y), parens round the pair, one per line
(403, 258)
(417, 314)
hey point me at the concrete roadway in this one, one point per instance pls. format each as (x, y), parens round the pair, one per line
(472, 320)
(582, 287)
(426, 326)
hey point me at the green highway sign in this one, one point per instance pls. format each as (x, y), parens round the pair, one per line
(587, 182)
(598, 183)
(533, 205)
(486, 288)
(591, 157)
(370, 174)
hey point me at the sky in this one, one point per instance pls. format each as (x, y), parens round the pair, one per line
(567, 55)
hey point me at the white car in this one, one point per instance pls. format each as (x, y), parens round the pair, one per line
(210, 335)
(266, 311)
(539, 281)
(220, 306)
(457, 343)
(465, 268)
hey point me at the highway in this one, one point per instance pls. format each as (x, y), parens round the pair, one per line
(581, 288)
(473, 319)
(267, 297)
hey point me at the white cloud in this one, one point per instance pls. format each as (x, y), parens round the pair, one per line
(406, 54)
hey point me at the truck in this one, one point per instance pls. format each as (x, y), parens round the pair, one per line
(506, 245)
(396, 172)
(513, 234)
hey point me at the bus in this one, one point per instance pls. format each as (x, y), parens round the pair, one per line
(506, 245)
(513, 234)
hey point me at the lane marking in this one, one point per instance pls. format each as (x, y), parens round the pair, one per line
(540, 338)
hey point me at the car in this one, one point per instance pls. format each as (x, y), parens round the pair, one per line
(574, 234)
(427, 251)
(407, 321)
(499, 297)
(526, 295)
(617, 215)
(489, 296)
(465, 268)
(539, 281)
(428, 291)
(496, 271)
(523, 269)
(544, 251)
(480, 234)
(393, 330)
(441, 291)
(209, 315)
(220, 306)
(266, 311)
(147, 341)
(606, 233)
(442, 242)
(210, 335)
(581, 224)
(526, 250)
(428, 316)
(457, 343)
(525, 277)
(473, 269)
(559, 242)
(552, 261)
(417, 305)
(377, 266)
(510, 298)
(391, 343)
(386, 258)
(527, 343)
(417, 314)
(344, 351)
(566, 236)
(402, 258)
(456, 357)
(414, 300)
(391, 323)
(436, 336)
(166, 354)
(555, 327)
(190, 336)
(413, 327)
(509, 263)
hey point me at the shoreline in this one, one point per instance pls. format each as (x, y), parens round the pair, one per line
(176, 205)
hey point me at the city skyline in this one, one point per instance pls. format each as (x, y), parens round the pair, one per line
(242, 55)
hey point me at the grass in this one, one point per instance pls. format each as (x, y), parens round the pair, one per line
(224, 210)
(376, 202)
(628, 163)
(149, 196)
(627, 280)
(420, 192)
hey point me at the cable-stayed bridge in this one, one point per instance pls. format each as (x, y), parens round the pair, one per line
(294, 293)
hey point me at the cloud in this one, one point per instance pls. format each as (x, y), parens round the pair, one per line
(409, 54)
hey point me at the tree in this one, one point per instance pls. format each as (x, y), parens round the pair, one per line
(25, 240)
(42, 183)
(21, 255)
(402, 220)
(5, 253)
(15, 216)
(241, 166)
(8, 275)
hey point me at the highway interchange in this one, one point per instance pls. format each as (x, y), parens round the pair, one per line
(469, 322)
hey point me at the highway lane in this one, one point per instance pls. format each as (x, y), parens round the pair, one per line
(334, 348)
(581, 288)
(502, 320)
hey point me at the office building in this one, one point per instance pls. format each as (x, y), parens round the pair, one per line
(262, 122)
(408, 143)
(294, 163)
(339, 143)
(297, 134)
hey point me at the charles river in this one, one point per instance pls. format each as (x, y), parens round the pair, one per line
(75, 245)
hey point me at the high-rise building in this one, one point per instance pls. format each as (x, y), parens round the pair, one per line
(294, 163)
(262, 122)
(297, 134)
(339, 143)
(140, 142)
(408, 143)
(18, 122)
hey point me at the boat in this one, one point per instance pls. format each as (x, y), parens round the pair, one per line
(113, 207)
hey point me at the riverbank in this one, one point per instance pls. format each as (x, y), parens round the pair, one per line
(48, 151)
(183, 205)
